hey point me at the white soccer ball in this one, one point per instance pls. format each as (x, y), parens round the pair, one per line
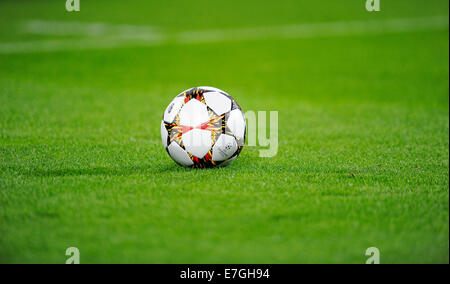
(203, 127)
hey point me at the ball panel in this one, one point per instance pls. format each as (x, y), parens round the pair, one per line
(224, 148)
(179, 155)
(197, 142)
(173, 109)
(164, 134)
(193, 113)
(236, 123)
(218, 102)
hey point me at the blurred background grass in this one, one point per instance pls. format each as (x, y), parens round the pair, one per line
(363, 158)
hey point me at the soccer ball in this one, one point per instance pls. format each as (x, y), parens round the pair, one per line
(203, 127)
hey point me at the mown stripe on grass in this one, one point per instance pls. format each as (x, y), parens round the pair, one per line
(101, 36)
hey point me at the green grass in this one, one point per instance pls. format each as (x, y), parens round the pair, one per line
(364, 140)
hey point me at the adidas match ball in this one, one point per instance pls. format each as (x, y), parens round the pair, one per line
(203, 127)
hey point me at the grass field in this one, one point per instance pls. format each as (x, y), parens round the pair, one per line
(363, 155)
